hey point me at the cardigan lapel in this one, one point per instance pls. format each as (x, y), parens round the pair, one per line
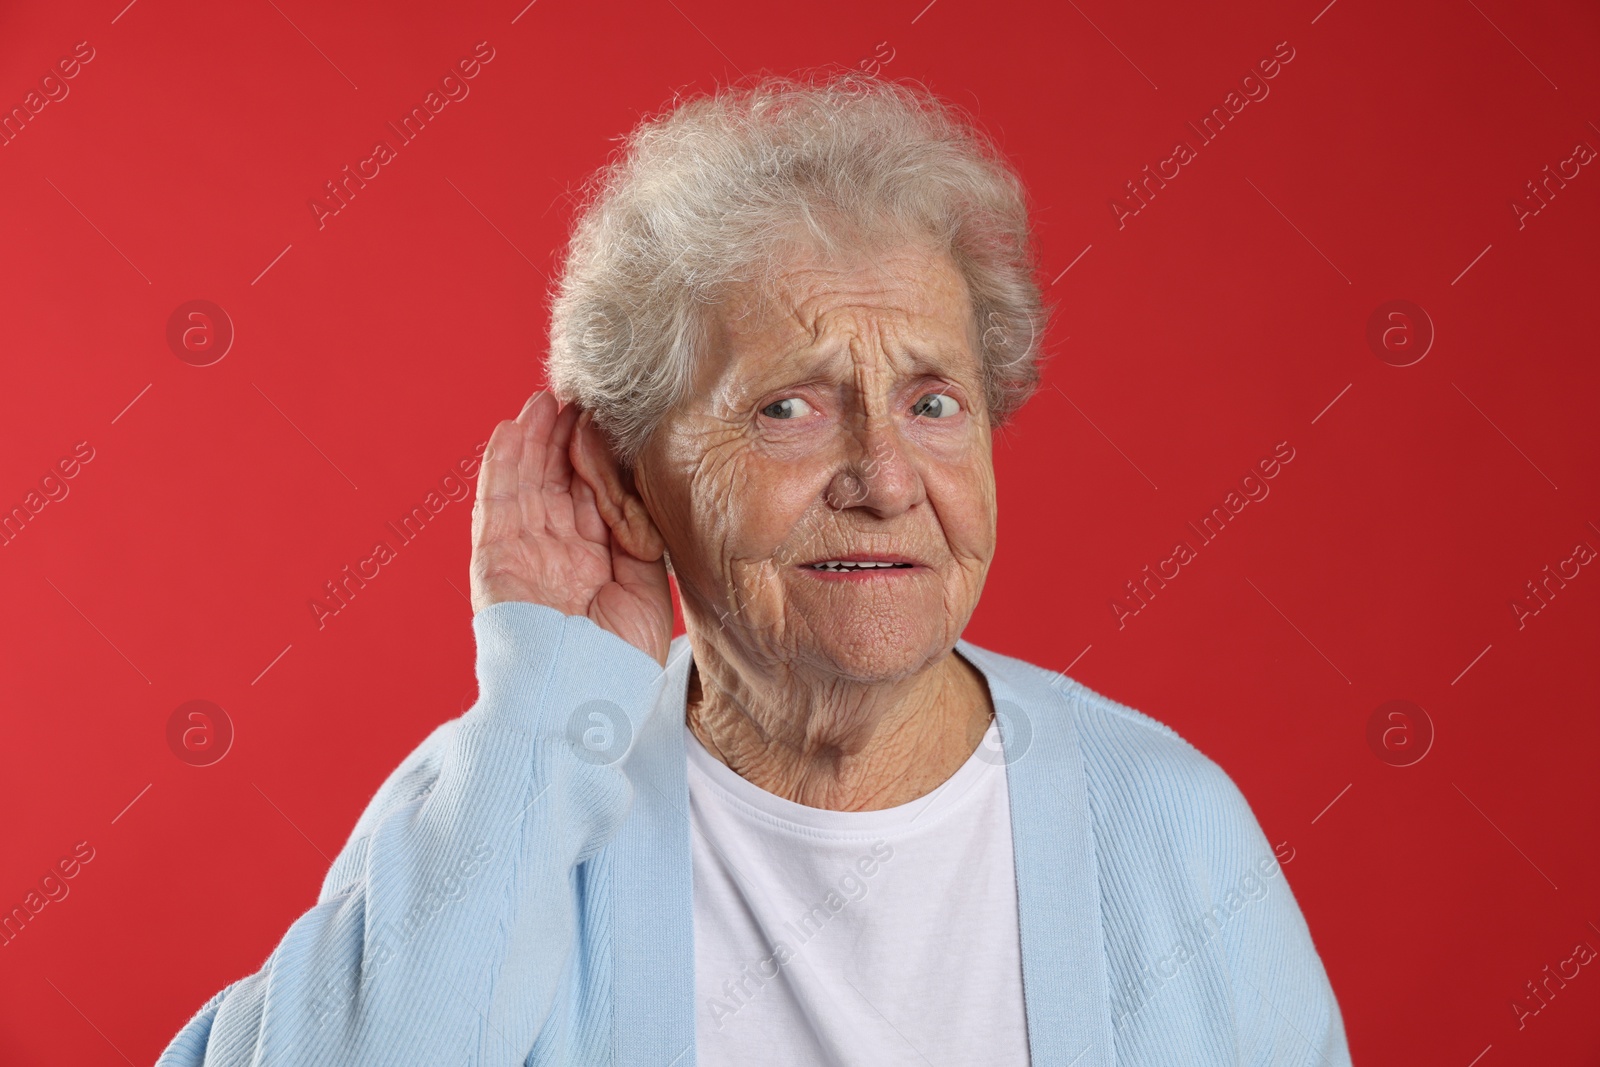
(652, 909)
(1065, 984)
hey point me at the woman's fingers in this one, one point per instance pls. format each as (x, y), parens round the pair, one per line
(538, 418)
(538, 406)
(539, 532)
(497, 515)
(555, 477)
(586, 517)
(557, 465)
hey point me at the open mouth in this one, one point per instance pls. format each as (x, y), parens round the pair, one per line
(841, 565)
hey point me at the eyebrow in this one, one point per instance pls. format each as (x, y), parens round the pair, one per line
(923, 364)
(819, 366)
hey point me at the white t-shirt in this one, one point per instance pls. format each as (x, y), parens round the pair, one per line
(845, 937)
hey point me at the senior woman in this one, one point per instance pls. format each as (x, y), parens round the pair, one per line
(821, 828)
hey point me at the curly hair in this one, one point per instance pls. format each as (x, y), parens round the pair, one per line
(709, 193)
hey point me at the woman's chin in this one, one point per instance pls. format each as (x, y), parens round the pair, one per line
(869, 648)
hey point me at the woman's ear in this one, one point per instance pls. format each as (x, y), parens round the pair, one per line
(615, 495)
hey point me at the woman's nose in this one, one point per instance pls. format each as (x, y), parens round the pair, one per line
(876, 473)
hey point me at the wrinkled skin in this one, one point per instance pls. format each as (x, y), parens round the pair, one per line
(743, 498)
(838, 414)
(830, 669)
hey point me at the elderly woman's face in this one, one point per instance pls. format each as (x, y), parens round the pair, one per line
(827, 492)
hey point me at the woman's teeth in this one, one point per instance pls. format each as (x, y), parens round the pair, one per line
(851, 565)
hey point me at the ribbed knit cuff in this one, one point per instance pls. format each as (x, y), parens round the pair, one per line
(570, 678)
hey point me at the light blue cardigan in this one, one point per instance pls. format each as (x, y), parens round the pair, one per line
(509, 896)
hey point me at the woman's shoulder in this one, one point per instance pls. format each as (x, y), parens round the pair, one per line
(1131, 759)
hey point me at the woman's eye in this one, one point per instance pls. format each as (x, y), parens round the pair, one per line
(936, 406)
(790, 407)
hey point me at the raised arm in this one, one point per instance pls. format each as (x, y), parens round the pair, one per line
(443, 927)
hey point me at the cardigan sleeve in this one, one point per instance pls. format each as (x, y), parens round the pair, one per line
(1283, 1002)
(1210, 959)
(444, 926)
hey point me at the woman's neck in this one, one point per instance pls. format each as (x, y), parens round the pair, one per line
(833, 743)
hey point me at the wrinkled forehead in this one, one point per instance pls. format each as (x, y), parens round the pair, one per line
(905, 302)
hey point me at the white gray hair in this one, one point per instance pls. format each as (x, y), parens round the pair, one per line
(707, 194)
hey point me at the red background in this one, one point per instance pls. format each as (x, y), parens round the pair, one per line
(1226, 316)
